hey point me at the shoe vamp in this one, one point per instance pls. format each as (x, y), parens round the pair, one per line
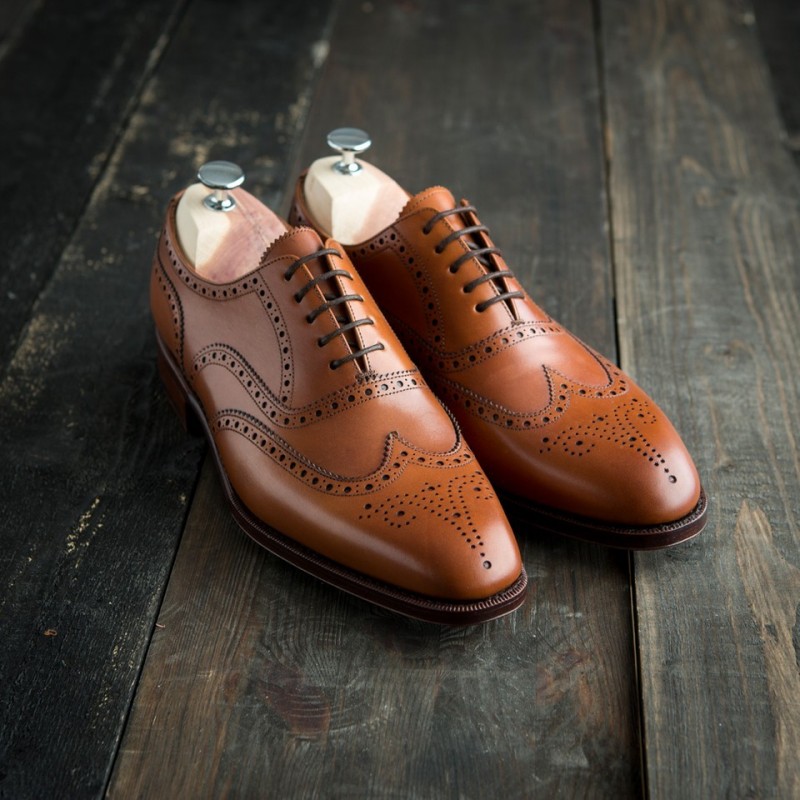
(353, 441)
(519, 377)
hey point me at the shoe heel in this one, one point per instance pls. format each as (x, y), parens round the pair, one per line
(177, 397)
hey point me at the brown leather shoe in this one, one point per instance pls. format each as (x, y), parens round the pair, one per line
(333, 452)
(562, 432)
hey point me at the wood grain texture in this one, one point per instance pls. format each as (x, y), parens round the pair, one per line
(705, 235)
(778, 26)
(266, 682)
(14, 16)
(96, 474)
(71, 75)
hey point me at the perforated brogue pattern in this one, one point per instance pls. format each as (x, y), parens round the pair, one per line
(424, 352)
(398, 456)
(406, 255)
(167, 287)
(411, 261)
(446, 502)
(623, 425)
(284, 341)
(621, 421)
(216, 291)
(227, 357)
(250, 284)
(561, 391)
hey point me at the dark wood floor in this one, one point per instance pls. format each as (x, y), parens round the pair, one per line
(636, 163)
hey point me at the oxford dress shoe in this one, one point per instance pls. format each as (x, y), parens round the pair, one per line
(333, 452)
(565, 435)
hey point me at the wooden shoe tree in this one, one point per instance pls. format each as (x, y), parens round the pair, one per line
(224, 233)
(348, 199)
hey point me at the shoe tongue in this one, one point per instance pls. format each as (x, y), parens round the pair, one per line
(296, 242)
(436, 198)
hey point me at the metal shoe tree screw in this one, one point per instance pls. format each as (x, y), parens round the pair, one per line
(221, 176)
(348, 142)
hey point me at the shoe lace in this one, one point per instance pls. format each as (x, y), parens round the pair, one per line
(477, 252)
(331, 302)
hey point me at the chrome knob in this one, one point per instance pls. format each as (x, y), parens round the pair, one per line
(220, 176)
(348, 142)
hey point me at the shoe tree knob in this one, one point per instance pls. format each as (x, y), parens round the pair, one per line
(348, 142)
(221, 176)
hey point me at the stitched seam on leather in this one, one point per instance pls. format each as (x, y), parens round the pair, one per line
(382, 242)
(220, 292)
(305, 415)
(465, 249)
(621, 430)
(516, 420)
(278, 322)
(434, 355)
(423, 282)
(180, 331)
(391, 463)
(208, 289)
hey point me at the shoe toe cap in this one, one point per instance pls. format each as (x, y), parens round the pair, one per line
(456, 541)
(615, 459)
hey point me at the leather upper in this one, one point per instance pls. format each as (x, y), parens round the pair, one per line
(550, 419)
(357, 461)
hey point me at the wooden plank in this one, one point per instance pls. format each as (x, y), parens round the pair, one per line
(96, 474)
(14, 16)
(70, 77)
(266, 682)
(778, 26)
(706, 234)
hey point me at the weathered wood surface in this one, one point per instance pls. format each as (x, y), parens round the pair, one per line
(96, 475)
(265, 681)
(778, 25)
(70, 73)
(706, 233)
(14, 16)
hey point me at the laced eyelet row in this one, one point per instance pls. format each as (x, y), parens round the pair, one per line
(476, 252)
(331, 303)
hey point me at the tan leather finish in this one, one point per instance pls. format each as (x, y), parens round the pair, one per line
(550, 420)
(356, 460)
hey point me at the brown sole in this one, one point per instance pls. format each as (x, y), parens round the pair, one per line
(653, 537)
(410, 604)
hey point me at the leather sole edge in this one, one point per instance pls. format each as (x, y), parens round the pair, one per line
(608, 534)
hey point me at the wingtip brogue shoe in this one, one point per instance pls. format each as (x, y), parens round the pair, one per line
(333, 452)
(565, 435)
